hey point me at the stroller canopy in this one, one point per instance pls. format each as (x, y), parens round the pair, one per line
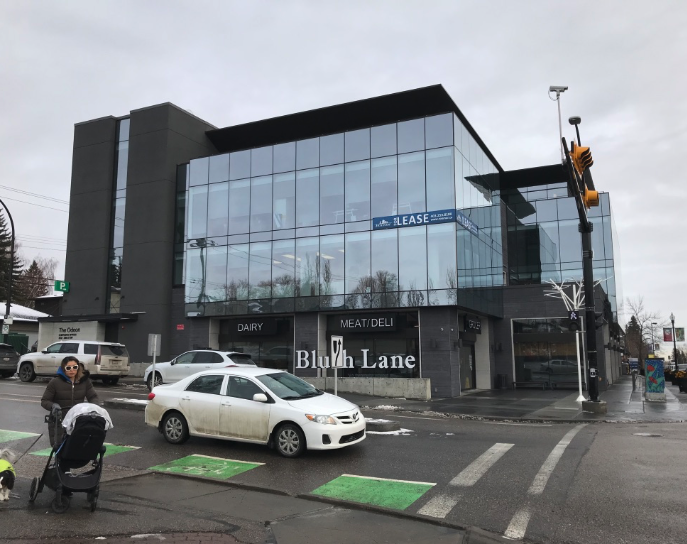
(86, 408)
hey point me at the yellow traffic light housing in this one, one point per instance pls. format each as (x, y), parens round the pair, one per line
(581, 158)
(590, 197)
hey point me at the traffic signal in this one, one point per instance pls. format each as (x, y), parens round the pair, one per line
(590, 197)
(581, 158)
(599, 319)
(574, 317)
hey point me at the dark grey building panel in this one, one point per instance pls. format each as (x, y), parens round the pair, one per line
(305, 338)
(440, 352)
(88, 236)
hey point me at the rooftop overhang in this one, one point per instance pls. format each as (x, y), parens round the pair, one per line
(375, 111)
(100, 318)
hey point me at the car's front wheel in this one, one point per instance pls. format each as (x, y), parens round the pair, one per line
(26, 373)
(175, 428)
(290, 440)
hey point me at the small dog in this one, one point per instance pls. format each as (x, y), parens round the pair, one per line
(7, 473)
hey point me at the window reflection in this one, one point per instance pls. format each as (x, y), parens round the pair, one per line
(237, 272)
(260, 270)
(239, 206)
(218, 206)
(219, 168)
(412, 259)
(411, 135)
(199, 172)
(384, 261)
(307, 267)
(284, 157)
(308, 153)
(439, 130)
(331, 195)
(261, 204)
(411, 183)
(441, 256)
(384, 190)
(283, 268)
(357, 251)
(307, 198)
(331, 149)
(284, 201)
(357, 191)
(261, 161)
(197, 212)
(239, 165)
(358, 145)
(332, 265)
(440, 178)
(383, 140)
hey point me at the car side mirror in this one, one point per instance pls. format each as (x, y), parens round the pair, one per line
(260, 397)
(44, 351)
(172, 362)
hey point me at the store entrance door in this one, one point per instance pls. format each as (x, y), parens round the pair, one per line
(468, 373)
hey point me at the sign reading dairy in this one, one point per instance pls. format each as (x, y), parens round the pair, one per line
(305, 359)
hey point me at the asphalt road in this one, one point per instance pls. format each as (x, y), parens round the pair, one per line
(559, 483)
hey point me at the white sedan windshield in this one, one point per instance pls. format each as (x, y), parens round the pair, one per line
(288, 387)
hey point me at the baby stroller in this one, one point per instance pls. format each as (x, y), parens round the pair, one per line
(78, 441)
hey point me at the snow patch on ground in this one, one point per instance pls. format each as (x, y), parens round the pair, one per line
(386, 407)
(400, 432)
(369, 420)
(132, 401)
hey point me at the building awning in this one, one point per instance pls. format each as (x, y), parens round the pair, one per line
(100, 318)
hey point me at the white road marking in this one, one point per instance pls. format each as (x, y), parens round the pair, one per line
(518, 424)
(439, 506)
(518, 525)
(475, 470)
(21, 400)
(223, 459)
(549, 465)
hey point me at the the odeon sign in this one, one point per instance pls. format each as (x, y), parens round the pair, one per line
(424, 218)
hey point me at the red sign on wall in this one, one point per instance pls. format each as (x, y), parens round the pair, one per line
(180, 327)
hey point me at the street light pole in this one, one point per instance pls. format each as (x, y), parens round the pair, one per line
(11, 267)
(653, 345)
(672, 322)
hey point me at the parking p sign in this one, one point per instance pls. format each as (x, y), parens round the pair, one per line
(62, 286)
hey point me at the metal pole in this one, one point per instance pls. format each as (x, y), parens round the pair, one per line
(152, 382)
(8, 303)
(560, 127)
(672, 321)
(580, 397)
(590, 317)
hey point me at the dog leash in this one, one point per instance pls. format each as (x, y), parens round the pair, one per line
(27, 451)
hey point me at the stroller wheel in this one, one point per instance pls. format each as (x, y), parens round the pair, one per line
(94, 504)
(33, 492)
(60, 506)
(93, 498)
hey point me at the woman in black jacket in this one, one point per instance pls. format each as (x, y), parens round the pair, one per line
(71, 386)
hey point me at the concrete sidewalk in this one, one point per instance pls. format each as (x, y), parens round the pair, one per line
(624, 405)
(157, 507)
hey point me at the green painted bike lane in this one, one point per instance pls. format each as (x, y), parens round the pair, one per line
(209, 467)
(10, 436)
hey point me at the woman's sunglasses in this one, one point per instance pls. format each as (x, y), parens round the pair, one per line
(71, 368)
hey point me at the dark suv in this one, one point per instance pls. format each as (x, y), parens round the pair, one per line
(8, 361)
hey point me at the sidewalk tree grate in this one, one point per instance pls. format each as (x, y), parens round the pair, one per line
(111, 450)
(209, 467)
(9, 436)
(396, 494)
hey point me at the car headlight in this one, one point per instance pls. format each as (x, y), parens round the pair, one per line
(324, 420)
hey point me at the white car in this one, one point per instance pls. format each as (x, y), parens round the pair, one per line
(192, 362)
(258, 405)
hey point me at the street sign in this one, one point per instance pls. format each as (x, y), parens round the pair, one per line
(336, 352)
(5, 329)
(8, 320)
(154, 341)
(62, 286)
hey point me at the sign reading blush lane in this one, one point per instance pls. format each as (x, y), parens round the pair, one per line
(305, 359)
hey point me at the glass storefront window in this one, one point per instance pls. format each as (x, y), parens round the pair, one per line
(193, 276)
(218, 206)
(308, 153)
(122, 165)
(439, 130)
(261, 204)
(411, 135)
(383, 141)
(357, 191)
(239, 206)
(284, 201)
(219, 168)
(412, 258)
(216, 274)
(358, 262)
(384, 187)
(411, 183)
(284, 157)
(441, 256)
(199, 172)
(384, 260)
(261, 161)
(331, 149)
(571, 248)
(358, 145)
(307, 267)
(307, 198)
(332, 265)
(331, 195)
(237, 272)
(283, 268)
(197, 212)
(440, 178)
(118, 231)
(239, 165)
(260, 270)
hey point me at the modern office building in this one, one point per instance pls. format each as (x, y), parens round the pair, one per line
(385, 221)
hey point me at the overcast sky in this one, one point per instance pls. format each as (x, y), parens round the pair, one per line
(234, 62)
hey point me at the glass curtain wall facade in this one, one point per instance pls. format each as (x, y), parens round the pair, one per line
(288, 227)
(118, 207)
(544, 242)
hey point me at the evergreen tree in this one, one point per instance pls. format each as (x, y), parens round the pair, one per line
(32, 284)
(6, 266)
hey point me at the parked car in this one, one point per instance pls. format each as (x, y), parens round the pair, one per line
(258, 405)
(105, 361)
(192, 362)
(8, 361)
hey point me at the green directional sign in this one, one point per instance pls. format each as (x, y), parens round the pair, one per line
(62, 286)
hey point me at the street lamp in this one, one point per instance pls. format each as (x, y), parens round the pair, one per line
(11, 267)
(653, 346)
(672, 322)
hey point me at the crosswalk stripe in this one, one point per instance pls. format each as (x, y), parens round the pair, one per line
(475, 470)
(518, 525)
(439, 506)
(549, 465)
